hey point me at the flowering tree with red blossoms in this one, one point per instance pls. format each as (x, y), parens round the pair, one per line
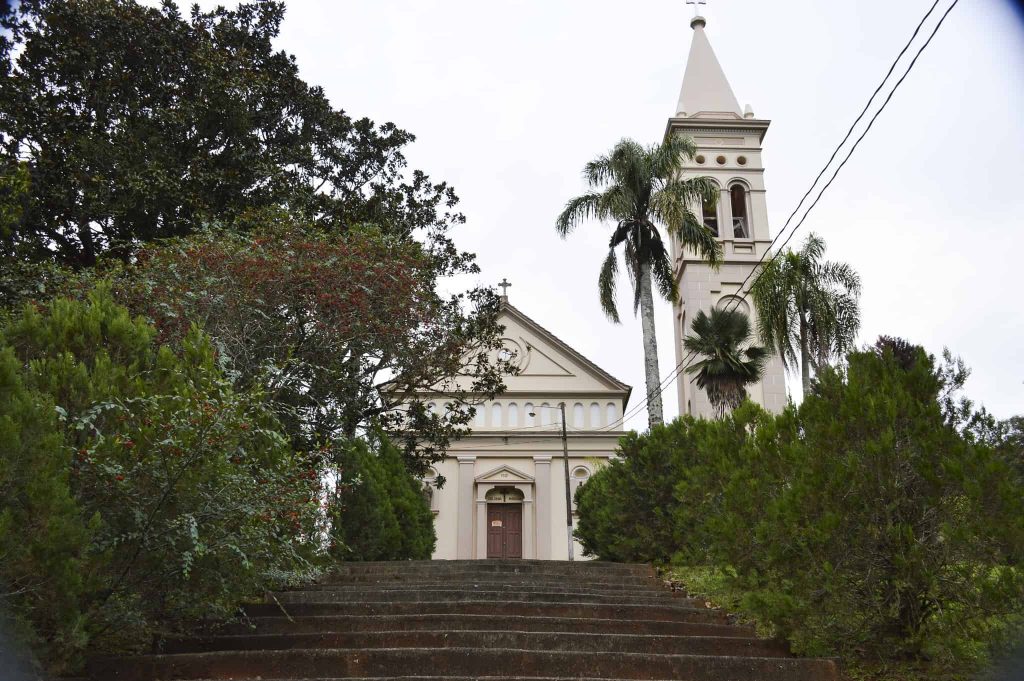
(342, 331)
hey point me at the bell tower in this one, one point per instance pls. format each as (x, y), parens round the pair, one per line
(728, 141)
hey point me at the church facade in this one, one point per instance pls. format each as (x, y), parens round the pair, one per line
(505, 485)
(729, 150)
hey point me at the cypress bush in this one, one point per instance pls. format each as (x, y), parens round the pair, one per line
(863, 524)
(378, 510)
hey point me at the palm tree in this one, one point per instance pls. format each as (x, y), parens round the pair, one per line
(640, 189)
(730, 361)
(808, 305)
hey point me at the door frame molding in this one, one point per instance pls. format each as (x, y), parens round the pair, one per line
(505, 476)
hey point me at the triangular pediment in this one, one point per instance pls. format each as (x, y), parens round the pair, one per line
(504, 475)
(548, 364)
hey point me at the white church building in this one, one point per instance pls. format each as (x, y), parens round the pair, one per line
(505, 495)
(505, 490)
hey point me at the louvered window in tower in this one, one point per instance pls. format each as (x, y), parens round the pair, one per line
(711, 217)
(740, 222)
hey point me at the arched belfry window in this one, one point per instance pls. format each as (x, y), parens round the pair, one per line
(740, 220)
(710, 214)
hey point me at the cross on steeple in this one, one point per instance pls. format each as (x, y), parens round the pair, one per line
(696, 5)
(504, 287)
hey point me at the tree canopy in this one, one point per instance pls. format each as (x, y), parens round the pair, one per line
(136, 123)
(808, 308)
(640, 190)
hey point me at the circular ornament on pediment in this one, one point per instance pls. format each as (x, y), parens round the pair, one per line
(513, 352)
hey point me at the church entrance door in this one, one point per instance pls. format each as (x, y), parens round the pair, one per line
(504, 530)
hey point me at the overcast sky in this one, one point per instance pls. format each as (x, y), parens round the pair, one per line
(509, 99)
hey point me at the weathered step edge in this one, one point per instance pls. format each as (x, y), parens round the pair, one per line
(520, 640)
(485, 607)
(297, 664)
(475, 622)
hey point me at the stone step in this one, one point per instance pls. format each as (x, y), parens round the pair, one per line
(496, 608)
(520, 640)
(453, 595)
(468, 622)
(463, 577)
(524, 567)
(497, 579)
(500, 563)
(468, 662)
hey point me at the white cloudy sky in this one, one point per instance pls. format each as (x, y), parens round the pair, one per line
(509, 99)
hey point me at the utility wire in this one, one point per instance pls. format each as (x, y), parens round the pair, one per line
(680, 367)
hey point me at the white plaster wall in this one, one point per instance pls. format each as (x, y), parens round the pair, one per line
(445, 520)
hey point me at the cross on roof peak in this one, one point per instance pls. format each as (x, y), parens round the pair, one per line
(504, 287)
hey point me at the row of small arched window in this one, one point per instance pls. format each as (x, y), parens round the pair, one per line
(514, 415)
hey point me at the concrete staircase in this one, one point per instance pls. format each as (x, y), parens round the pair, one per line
(454, 620)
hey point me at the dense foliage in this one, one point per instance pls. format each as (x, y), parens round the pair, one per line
(379, 512)
(136, 123)
(867, 523)
(342, 332)
(138, 487)
(123, 126)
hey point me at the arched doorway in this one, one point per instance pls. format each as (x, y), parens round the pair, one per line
(504, 523)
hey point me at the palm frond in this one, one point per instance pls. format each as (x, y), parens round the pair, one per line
(663, 273)
(606, 282)
(580, 208)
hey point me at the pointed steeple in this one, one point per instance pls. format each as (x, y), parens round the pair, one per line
(705, 90)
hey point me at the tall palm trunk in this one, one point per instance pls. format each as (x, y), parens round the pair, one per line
(651, 371)
(805, 365)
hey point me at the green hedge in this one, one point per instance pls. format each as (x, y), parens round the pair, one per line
(863, 524)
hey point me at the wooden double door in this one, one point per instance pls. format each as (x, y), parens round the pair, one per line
(504, 530)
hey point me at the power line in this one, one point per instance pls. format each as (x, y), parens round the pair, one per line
(674, 374)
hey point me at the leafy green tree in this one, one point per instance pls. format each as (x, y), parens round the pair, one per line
(640, 191)
(730, 360)
(809, 306)
(342, 331)
(136, 123)
(191, 497)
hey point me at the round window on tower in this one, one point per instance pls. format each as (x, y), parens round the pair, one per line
(742, 160)
(700, 159)
(720, 160)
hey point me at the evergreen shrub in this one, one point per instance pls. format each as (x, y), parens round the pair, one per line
(865, 523)
(379, 510)
(138, 489)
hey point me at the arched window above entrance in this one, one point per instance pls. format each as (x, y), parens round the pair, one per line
(504, 495)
